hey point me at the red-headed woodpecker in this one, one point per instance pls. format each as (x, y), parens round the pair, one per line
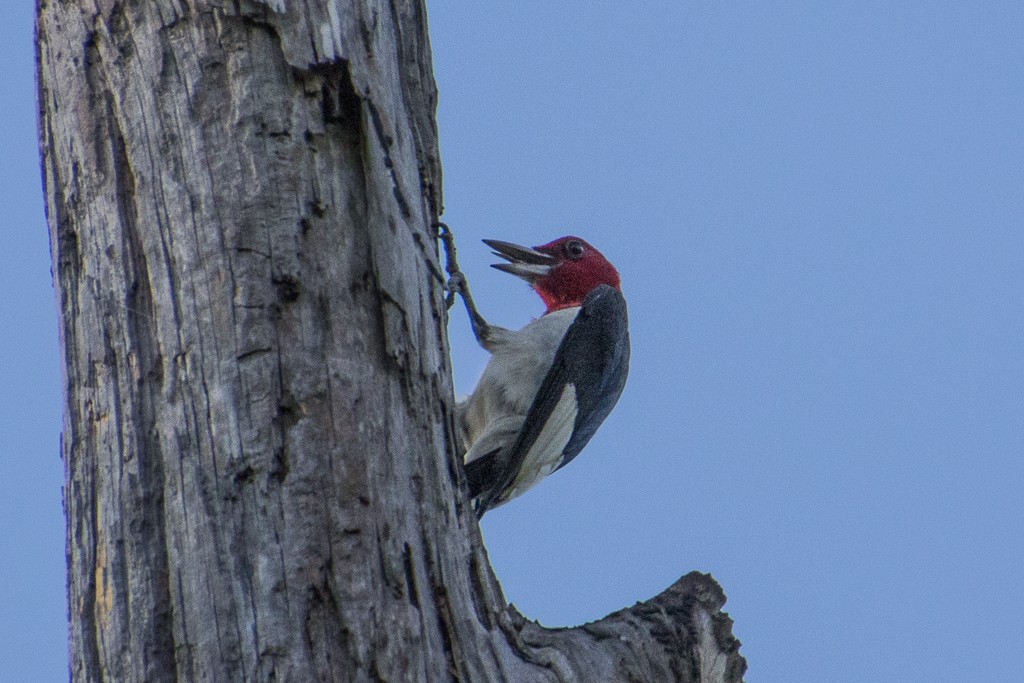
(549, 386)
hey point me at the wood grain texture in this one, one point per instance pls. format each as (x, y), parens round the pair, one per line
(261, 474)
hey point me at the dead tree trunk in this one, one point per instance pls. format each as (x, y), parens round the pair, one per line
(261, 477)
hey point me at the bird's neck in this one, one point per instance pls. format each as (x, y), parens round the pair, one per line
(560, 299)
(553, 302)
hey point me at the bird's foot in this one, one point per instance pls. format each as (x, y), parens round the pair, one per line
(458, 285)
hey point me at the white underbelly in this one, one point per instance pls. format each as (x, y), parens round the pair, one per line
(518, 365)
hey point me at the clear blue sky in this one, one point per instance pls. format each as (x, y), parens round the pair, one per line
(818, 213)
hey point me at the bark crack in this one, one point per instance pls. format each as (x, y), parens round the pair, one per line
(386, 141)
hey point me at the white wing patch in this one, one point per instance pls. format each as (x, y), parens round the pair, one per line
(546, 453)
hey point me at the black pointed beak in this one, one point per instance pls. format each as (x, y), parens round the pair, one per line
(523, 262)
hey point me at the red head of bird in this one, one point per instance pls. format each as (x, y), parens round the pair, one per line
(562, 271)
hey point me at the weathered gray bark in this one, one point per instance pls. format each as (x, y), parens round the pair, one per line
(261, 479)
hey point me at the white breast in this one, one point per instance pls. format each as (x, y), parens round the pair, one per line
(494, 412)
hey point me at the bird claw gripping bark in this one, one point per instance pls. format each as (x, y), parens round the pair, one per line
(458, 284)
(456, 280)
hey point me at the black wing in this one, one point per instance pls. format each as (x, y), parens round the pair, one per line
(594, 358)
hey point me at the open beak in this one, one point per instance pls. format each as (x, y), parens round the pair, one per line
(523, 262)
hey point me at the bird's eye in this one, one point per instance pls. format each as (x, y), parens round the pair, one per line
(574, 249)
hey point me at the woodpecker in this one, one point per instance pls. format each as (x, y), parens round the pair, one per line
(549, 386)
